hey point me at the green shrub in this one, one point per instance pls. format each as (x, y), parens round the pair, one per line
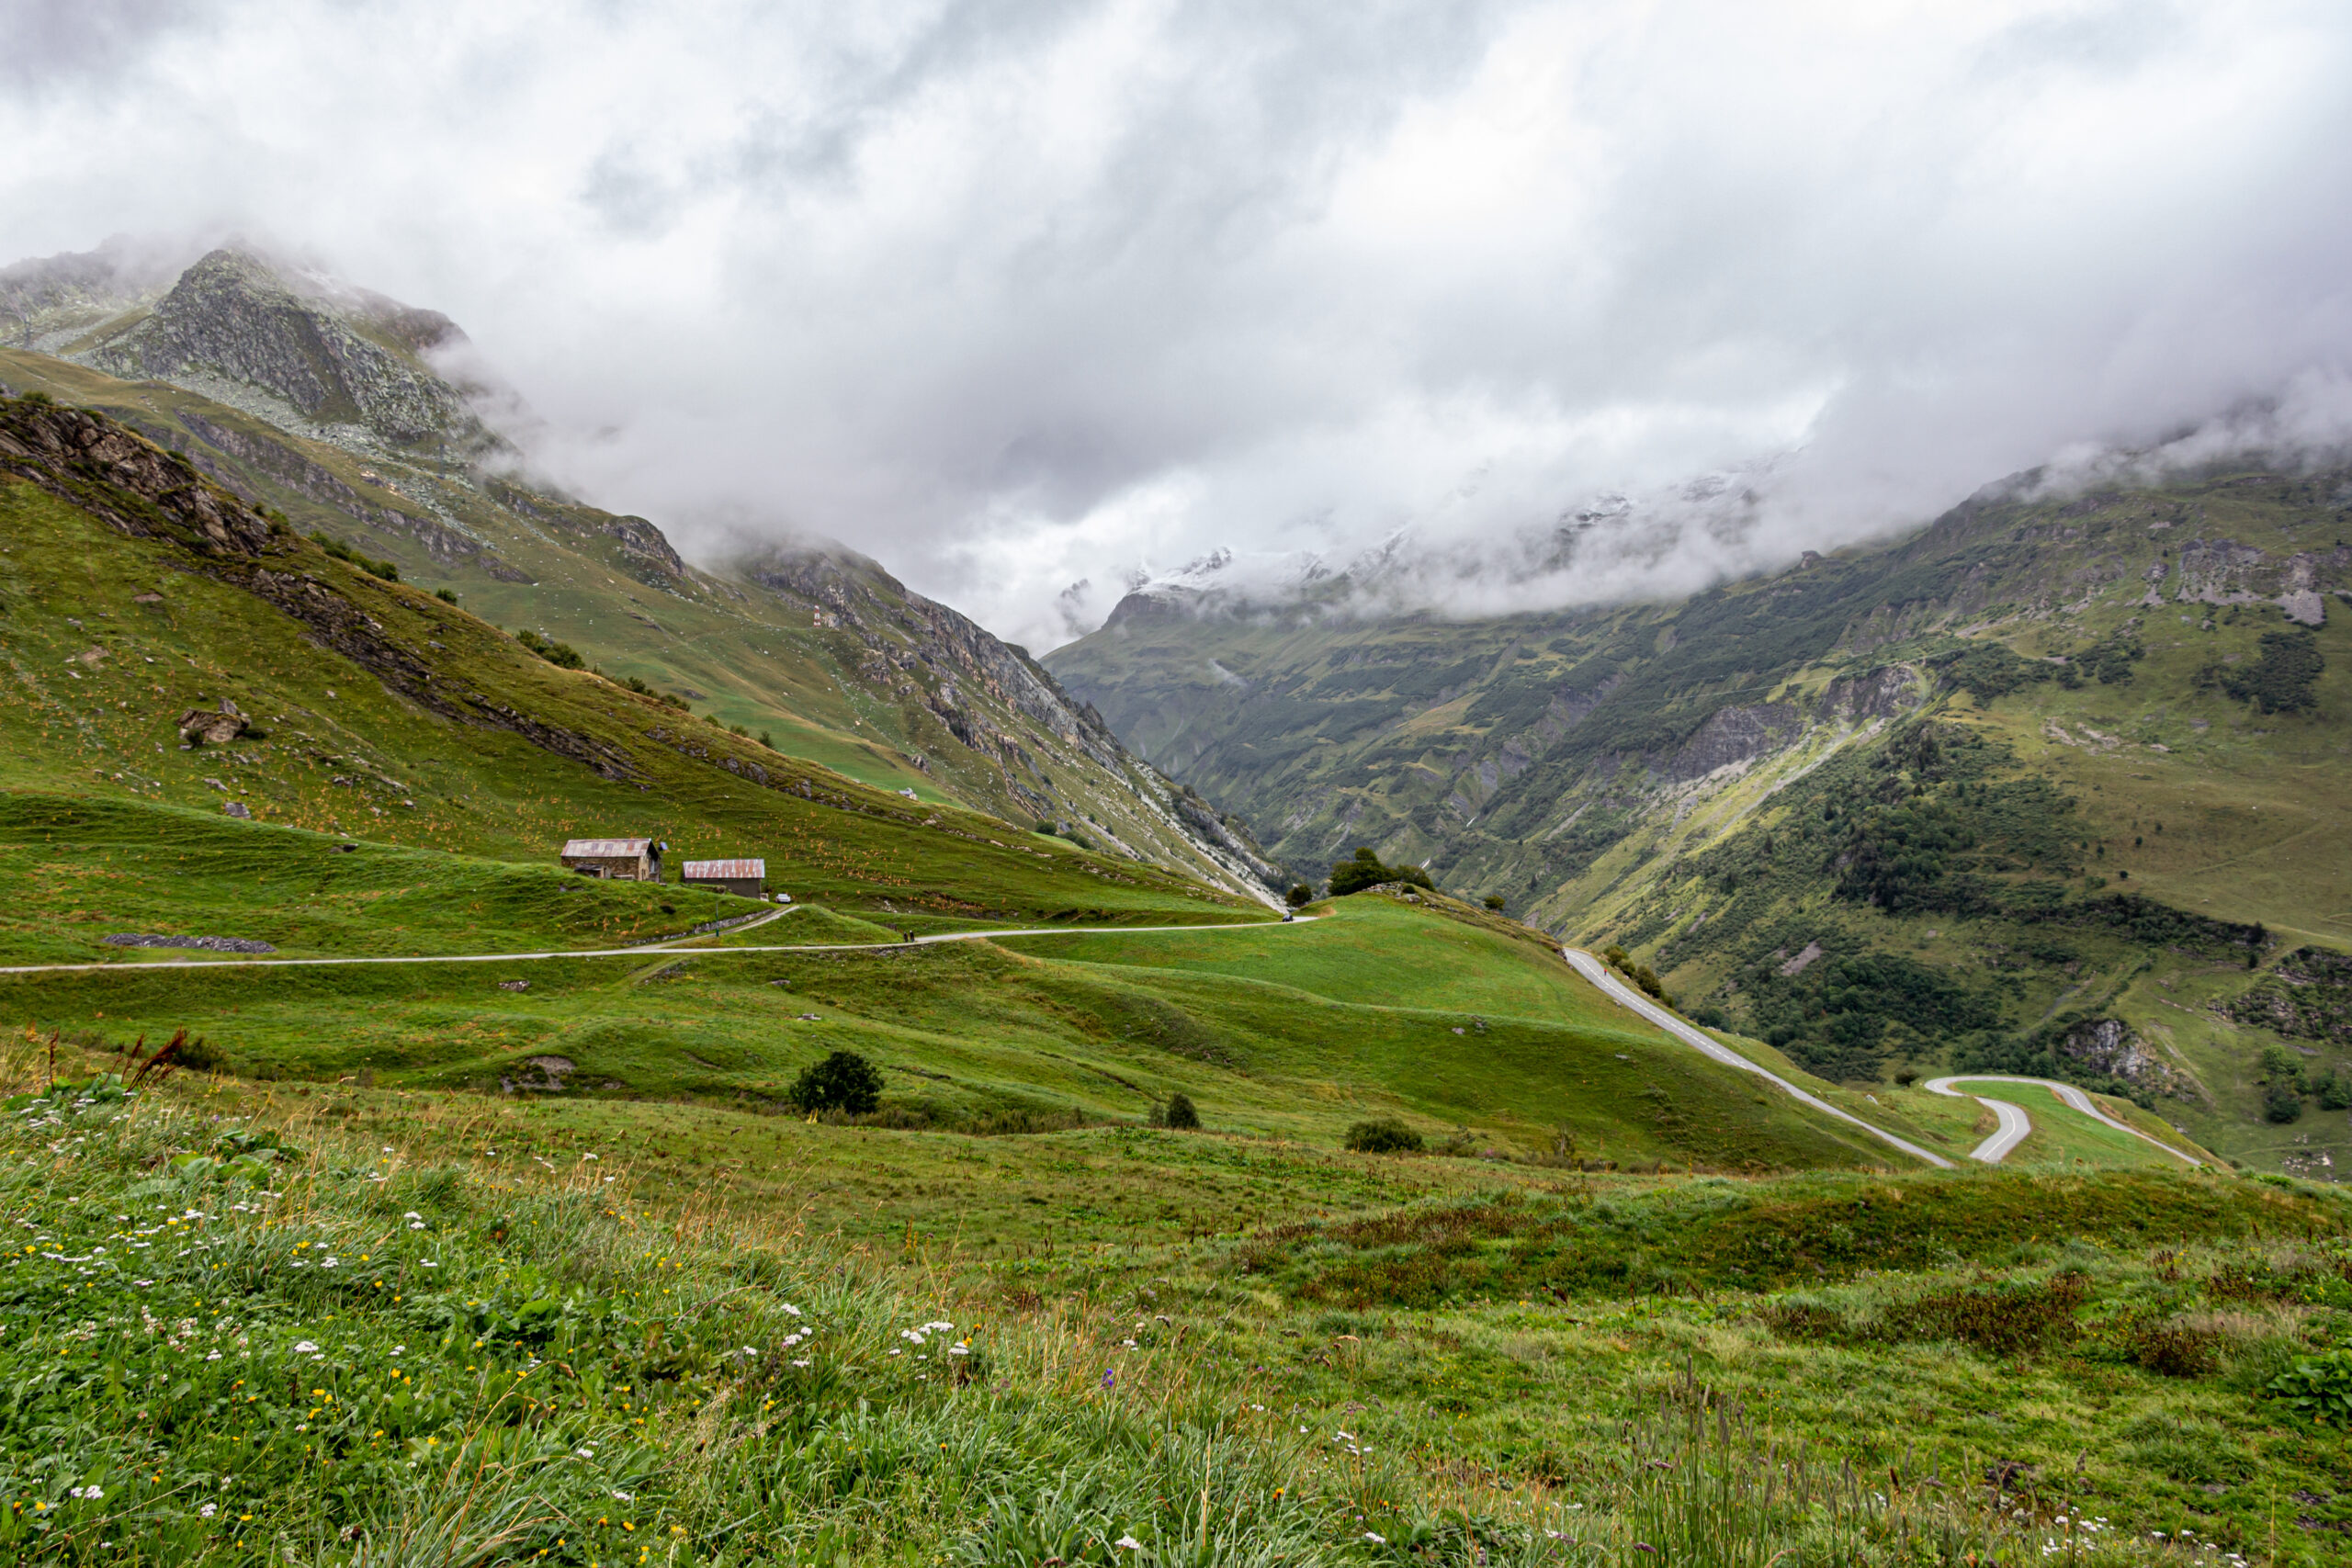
(1383, 1135)
(1641, 974)
(560, 654)
(389, 570)
(2318, 1388)
(843, 1081)
(2282, 1104)
(1299, 896)
(1365, 871)
(447, 596)
(1181, 1111)
(1494, 902)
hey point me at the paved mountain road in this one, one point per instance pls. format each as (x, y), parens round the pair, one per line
(676, 944)
(1624, 996)
(2016, 1124)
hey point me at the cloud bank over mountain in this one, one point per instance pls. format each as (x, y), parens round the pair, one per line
(1018, 295)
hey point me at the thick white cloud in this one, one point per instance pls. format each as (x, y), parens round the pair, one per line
(1015, 294)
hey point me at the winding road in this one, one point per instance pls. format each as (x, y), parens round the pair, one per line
(1593, 969)
(2016, 1124)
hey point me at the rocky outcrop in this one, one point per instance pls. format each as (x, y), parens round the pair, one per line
(2307, 997)
(1886, 693)
(202, 727)
(233, 315)
(278, 461)
(2110, 1046)
(645, 554)
(1731, 736)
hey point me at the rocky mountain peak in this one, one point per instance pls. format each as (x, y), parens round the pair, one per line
(338, 359)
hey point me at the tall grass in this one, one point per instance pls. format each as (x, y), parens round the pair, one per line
(230, 1341)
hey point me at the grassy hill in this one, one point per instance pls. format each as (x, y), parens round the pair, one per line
(2028, 791)
(410, 771)
(811, 645)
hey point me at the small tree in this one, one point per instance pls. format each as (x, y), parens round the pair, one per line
(1383, 1135)
(1365, 869)
(1181, 1113)
(1299, 896)
(1494, 902)
(2282, 1104)
(843, 1081)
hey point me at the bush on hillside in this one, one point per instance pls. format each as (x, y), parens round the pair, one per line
(389, 570)
(844, 1081)
(447, 596)
(560, 654)
(1494, 902)
(1383, 1135)
(1299, 896)
(1364, 870)
(1640, 974)
(2282, 1104)
(1179, 1113)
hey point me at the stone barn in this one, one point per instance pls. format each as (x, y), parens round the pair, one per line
(739, 876)
(614, 860)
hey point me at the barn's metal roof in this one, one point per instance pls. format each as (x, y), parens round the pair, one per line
(605, 849)
(725, 870)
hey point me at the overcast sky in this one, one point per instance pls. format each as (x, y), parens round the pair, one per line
(1015, 294)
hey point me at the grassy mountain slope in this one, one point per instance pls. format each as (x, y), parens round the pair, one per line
(380, 710)
(2015, 793)
(331, 407)
(412, 770)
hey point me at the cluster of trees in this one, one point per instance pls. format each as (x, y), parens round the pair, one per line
(2286, 1081)
(1641, 974)
(560, 654)
(1364, 870)
(2284, 680)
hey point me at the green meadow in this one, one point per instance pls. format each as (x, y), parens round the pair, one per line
(342, 1325)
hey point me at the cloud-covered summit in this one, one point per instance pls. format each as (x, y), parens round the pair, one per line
(1014, 295)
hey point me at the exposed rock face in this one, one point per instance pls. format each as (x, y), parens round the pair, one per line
(2108, 1046)
(2307, 997)
(234, 315)
(292, 469)
(929, 659)
(1889, 693)
(1734, 735)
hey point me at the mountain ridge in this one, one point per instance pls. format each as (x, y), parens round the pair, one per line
(325, 402)
(1921, 762)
